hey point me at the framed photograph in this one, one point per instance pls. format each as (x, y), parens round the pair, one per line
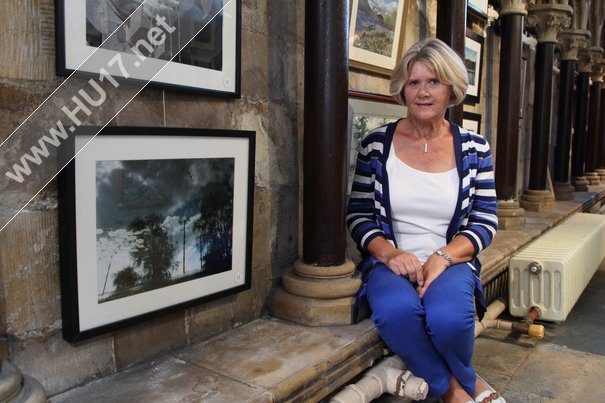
(473, 56)
(183, 45)
(376, 35)
(471, 121)
(153, 220)
(478, 6)
(365, 115)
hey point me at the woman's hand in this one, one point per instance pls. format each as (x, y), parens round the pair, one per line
(432, 268)
(407, 265)
(400, 263)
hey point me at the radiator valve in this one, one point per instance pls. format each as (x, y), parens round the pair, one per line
(535, 268)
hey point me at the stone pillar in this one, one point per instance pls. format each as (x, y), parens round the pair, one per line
(321, 288)
(570, 41)
(593, 132)
(547, 18)
(578, 147)
(601, 159)
(510, 214)
(451, 29)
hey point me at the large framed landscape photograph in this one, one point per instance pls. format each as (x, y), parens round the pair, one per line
(192, 45)
(376, 34)
(153, 220)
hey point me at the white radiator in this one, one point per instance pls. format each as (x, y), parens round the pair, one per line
(552, 271)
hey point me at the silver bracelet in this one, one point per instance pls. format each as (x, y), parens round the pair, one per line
(444, 255)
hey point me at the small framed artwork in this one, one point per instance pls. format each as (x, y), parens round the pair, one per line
(473, 56)
(152, 220)
(176, 44)
(471, 121)
(366, 114)
(478, 6)
(376, 35)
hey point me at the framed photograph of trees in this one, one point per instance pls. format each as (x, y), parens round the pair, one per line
(376, 34)
(153, 220)
(367, 112)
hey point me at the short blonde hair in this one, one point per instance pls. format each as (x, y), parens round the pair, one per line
(441, 59)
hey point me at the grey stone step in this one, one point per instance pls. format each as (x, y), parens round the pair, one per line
(10, 380)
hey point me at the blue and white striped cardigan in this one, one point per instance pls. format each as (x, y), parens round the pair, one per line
(369, 211)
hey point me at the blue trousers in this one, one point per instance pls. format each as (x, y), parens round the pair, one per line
(434, 335)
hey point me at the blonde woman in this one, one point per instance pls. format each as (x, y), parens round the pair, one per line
(422, 206)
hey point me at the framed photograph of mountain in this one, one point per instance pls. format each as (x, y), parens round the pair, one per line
(376, 34)
(152, 220)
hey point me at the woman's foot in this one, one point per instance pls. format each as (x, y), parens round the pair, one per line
(485, 393)
(456, 394)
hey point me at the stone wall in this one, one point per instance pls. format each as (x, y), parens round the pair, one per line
(270, 104)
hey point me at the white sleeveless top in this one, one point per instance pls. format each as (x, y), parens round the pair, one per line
(422, 206)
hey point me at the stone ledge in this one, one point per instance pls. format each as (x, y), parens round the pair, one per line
(264, 361)
(271, 360)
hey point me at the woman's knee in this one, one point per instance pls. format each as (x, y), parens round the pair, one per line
(395, 311)
(448, 320)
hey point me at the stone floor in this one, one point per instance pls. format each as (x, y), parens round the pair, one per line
(269, 360)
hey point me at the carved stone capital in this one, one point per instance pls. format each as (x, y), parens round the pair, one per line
(596, 73)
(587, 57)
(511, 7)
(548, 18)
(571, 41)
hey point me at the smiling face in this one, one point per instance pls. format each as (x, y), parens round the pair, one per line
(425, 96)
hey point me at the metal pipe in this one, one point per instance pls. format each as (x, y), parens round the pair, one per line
(388, 376)
(494, 310)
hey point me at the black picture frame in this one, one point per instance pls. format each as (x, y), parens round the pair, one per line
(473, 60)
(471, 121)
(152, 220)
(478, 7)
(209, 63)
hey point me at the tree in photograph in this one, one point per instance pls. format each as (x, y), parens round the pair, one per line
(214, 227)
(152, 248)
(126, 279)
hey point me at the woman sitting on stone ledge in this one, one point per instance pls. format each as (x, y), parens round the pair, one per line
(422, 206)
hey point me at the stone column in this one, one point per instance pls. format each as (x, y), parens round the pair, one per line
(593, 132)
(570, 41)
(322, 286)
(451, 29)
(578, 146)
(547, 18)
(601, 145)
(510, 214)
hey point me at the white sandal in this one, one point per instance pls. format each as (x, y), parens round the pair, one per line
(488, 396)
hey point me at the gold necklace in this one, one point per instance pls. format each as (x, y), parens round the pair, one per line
(426, 145)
